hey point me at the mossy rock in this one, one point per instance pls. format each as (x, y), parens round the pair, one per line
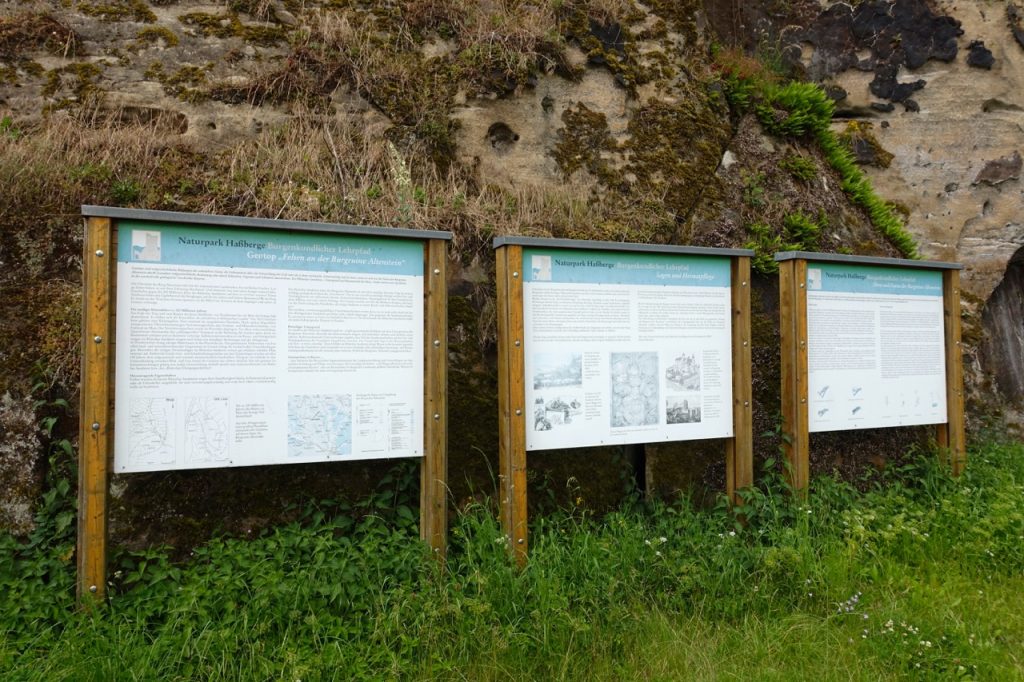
(118, 10)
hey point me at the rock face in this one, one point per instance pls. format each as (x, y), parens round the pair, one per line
(1003, 347)
(956, 161)
(591, 120)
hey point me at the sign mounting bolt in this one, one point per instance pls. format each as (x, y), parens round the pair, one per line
(519, 541)
(437, 271)
(518, 343)
(437, 343)
(97, 339)
(99, 253)
(515, 274)
(518, 412)
(436, 416)
(95, 426)
(92, 588)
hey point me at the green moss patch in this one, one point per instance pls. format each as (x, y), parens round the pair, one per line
(183, 83)
(864, 146)
(228, 25)
(118, 10)
(670, 151)
(155, 35)
(73, 85)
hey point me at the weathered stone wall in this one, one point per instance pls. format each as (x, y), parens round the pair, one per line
(941, 86)
(601, 120)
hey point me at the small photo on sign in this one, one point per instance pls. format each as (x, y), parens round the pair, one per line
(556, 410)
(540, 267)
(557, 370)
(684, 373)
(814, 279)
(145, 245)
(682, 410)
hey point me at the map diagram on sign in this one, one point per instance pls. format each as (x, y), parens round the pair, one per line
(634, 389)
(206, 430)
(319, 426)
(152, 431)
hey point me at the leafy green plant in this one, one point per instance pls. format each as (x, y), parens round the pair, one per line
(800, 167)
(125, 191)
(798, 233)
(754, 189)
(8, 128)
(797, 109)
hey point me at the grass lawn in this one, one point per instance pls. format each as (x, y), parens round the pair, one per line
(914, 576)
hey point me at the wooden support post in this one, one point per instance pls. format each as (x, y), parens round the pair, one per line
(511, 398)
(793, 328)
(951, 436)
(739, 450)
(434, 467)
(96, 429)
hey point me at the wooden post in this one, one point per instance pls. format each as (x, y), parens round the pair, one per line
(739, 450)
(793, 328)
(951, 436)
(96, 428)
(511, 398)
(434, 467)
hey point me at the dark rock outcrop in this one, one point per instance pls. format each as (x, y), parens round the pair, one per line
(1003, 321)
(882, 36)
(1000, 170)
(980, 56)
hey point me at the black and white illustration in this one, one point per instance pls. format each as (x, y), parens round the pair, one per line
(634, 389)
(555, 410)
(557, 370)
(682, 409)
(684, 373)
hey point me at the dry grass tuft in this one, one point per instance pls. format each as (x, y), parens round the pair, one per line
(316, 168)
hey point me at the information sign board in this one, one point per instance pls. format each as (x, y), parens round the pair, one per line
(876, 349)
(625, 347)
(241, 347)
(609, 343)
(237, 341)
(868, 342)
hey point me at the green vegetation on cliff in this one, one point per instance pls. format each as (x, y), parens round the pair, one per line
(801, 110)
